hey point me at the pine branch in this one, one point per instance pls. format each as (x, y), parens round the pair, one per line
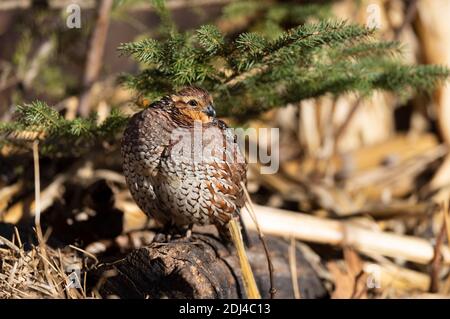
(60, 137)
(39, 114)
(380, 49)
(250, 73)
(146, 51)
(211, 39)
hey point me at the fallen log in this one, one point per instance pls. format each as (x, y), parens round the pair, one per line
(202, 267)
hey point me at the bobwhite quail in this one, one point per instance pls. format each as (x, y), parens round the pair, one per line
(183, 165)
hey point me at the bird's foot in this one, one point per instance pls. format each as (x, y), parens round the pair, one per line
(166, 235)
(162, 238)
(185, 234)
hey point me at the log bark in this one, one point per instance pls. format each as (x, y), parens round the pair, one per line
(202, 267)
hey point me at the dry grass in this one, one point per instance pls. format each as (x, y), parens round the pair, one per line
(40, 272)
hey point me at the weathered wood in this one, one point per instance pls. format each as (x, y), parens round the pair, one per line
(202, 267)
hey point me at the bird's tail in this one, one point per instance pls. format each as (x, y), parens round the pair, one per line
(247, 274)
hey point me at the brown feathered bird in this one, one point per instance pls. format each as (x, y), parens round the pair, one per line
(182, 165)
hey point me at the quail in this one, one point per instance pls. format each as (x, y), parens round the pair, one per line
(182, 165)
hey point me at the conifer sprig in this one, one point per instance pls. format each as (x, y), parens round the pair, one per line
(59, 136)
(250, 73)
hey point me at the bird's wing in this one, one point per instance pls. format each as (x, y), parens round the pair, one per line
(225, 184)
(145, 140)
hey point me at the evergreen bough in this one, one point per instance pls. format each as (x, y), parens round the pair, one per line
(59, 136)
(247, 72)
(250, 73)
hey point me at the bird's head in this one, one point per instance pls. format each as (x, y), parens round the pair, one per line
(195, 103)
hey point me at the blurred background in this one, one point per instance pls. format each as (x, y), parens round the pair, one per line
(372, 171)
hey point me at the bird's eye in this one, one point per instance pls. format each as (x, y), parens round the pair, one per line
(192, 103)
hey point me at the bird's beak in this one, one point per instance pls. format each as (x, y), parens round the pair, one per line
(210, 111)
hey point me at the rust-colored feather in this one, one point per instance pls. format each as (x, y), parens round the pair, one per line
(168, 182)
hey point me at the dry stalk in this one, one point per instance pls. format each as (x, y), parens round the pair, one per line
(293, 267)
(252, 214)
(305, 227)
(250, 286)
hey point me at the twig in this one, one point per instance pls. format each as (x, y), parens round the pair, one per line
(239, 78)
(86, 253)
(436, 262)
(293, 266)
(411, 11)
(37, 208)
(447, 221)
(357, 278)
(341, 129)
(38, 61)
(252, 214)
(95, 55)
(243, 76)
(446, 288)
(33, 67)
(37, 191)
(19, 240)
(8, 243)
